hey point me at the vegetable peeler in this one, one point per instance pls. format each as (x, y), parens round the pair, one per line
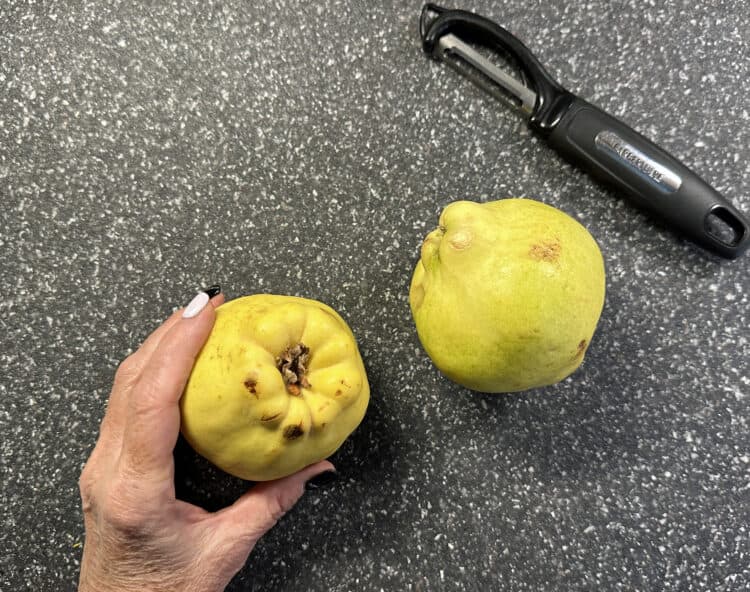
(589, 138)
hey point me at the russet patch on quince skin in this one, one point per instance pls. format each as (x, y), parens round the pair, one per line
(279, 385)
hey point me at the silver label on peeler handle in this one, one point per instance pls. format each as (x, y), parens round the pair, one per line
(645, 166)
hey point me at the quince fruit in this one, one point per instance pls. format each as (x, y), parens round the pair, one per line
(278, 385)
(507, 294)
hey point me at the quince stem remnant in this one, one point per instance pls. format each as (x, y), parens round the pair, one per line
(292, 364)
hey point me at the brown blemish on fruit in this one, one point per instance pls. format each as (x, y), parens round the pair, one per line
(292, 363)
(293, 389)
(250, 385)
(338, 393)
(270, 417)
(581, 349)
(547, 250)
(293, 432)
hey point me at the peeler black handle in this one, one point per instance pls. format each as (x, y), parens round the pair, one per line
(653, 179)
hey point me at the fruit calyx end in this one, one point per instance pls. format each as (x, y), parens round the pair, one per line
(292, 363)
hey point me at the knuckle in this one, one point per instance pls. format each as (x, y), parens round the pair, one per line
(146, 396)
(280, 503)
(121, 511)
(87, 498)
(275, 509)
(127, 370)
(86, 487)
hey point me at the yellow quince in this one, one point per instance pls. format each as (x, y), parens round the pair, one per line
(507, 294)
(278, 385)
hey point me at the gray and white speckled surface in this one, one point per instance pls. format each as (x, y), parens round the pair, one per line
(306, 148)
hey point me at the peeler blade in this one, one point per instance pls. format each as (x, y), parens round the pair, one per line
(482, 72)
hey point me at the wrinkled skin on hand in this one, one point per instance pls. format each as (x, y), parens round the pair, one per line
(138, 535)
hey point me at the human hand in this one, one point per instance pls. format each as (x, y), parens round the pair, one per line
(138, 535)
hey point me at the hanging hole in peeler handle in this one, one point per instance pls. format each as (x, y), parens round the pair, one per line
(724, 227)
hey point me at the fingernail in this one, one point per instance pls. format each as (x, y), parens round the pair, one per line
(196, 305)
(212, 291)
(322, 480)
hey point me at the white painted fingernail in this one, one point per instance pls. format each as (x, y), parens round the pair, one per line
(196, 305)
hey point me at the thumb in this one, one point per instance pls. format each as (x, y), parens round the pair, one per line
(258, 510)
(153, 414)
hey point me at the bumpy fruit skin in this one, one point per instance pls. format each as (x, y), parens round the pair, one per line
(507, 294)
(239, 412)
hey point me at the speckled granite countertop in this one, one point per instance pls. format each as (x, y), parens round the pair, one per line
(306, 148)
